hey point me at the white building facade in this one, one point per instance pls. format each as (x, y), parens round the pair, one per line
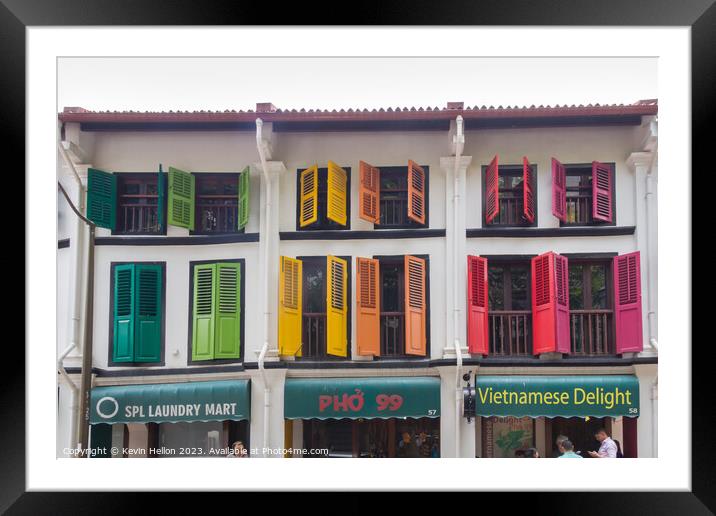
(240, 294)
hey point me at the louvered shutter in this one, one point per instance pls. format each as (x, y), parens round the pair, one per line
(123, 314)
(561, 293)
(290, 306)
(244, 180)
(527, 191)
(162, 200)
(148, 312)
(559, 190)
(204, 314)
(227, 303)
(602, 178)
(309, 196)
(492, 190)
(416, 192)
(369, 193)
(368, 302)
(337, 307)
(627, 300)
(181, 198)
(550, 304)
(102, 198)
(477, 315)
(415, 306)
(337, 209)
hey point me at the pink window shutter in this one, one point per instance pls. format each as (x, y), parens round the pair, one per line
(561, 283)
(529, 198)
(627, 303)
(602, 178)
(559, 191)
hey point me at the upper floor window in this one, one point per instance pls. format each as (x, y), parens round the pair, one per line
(394, 197)
(509, 194)
(323, 196)
(591, 307)
(509, 308)
(217, 204)
(138, 202)
(583, 194)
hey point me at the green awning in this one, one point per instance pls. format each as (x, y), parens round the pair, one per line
(171, 402)
(557, 396)
(356, 398)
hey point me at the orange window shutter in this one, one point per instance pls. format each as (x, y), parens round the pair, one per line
(416, 192)
(415, 306)
(368, 301)
(369, 193)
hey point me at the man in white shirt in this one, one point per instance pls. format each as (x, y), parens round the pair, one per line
(607, 449)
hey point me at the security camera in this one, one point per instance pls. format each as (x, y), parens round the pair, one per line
(466, 377)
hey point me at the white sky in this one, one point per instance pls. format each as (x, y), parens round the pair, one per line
(157, 84)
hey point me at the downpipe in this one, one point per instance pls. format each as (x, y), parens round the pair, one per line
(459, 140)
(651, 314)
(74, 395)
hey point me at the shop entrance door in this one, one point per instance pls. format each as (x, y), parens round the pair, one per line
(579, 431)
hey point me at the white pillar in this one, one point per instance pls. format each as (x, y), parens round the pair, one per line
(449, 418)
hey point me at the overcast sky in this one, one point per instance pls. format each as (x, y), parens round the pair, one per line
(157, 84)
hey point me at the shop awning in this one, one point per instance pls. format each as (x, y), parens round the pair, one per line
(557, 396)
(356, 398)
(171, 402)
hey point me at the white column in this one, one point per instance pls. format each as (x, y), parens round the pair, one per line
(648, 421)
(449, 418)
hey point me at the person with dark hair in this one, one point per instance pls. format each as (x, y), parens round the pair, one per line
(531, 453)
(567, 449)
(519, 454)
(607, 449)
(620, 455)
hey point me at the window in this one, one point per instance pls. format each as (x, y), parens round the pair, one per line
(217, 298)
(583, 194)
(509, 194)
(138, 204)
(509, 308)
(217, 203)
(323, 196)
(137, 314)
(591, 310)
(314, 307)
(394, 197)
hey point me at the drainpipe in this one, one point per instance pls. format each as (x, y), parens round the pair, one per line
(654, 416)
(74, 394)
(651, 315)
(266, 233)
(459, 140)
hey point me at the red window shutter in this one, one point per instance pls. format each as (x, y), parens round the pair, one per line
(602, 178)
(561, 291)
(368, 301)
(415, 306)
(559, 191)
(492, 191)
(550, 304)
(528, 194)
(416, 192)
(369, 193)
(627, 301)
(477, 321)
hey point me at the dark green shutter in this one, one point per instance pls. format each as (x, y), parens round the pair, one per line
(123, 311)
(181, 198)
(202, 342)
(161, 200)
(102, 198)
(227, 300)
(148, 312)
(244, 198)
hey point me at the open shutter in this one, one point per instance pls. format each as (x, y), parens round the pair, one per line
(416, 192)
(369, 193)
(492, 191)
(415, 306)
(227, 302)
(477, 318)
(561, 293)
(290, 306)
(337, 209)
(337, 307)
(123, 314)
(559, 191)
(181, 198)
(368, 302)
(550, 304)
(243, 217)
(527, 191)
(602, 178)
(627, 300)
(148, 310)
(309, 196)
(102, 198)
(162, 200)
(202, 342)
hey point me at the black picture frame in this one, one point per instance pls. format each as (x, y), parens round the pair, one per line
(699, 15)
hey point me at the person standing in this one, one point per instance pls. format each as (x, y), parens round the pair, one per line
(407, 447)
(567, 449)
(558, 442)
(607, 448)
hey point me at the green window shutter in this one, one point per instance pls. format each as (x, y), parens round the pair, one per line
(101, 198)
(202, 341)
(148, 312)
(161, 199)
(243, 198)
(181, 198)
(123, 313)
(228, 310)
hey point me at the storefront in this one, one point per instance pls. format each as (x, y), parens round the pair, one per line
(363, 417)
(196, 419)
(520, 412)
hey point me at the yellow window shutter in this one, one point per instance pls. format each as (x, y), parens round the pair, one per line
(337, 187)
(309, 196)
(290, 306)
(337, 307)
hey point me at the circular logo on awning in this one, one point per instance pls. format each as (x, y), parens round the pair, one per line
(110, 401)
